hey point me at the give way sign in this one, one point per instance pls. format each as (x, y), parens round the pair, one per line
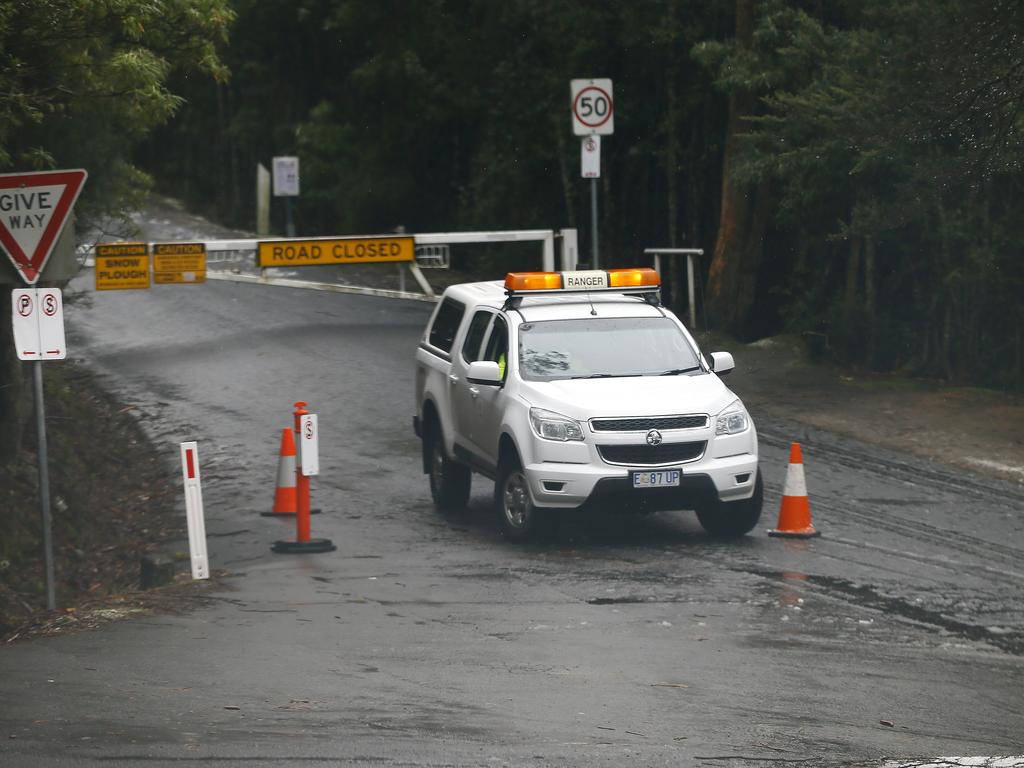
(33, 209)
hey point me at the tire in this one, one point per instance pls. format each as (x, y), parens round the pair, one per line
(518, 518)
(449, 481)
(732, 519)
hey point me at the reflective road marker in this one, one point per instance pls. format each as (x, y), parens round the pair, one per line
(194, 510)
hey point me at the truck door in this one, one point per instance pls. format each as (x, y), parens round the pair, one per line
(490, 400)
(462, 393)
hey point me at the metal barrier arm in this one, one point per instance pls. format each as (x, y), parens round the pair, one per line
(546, 236)
(689, 253)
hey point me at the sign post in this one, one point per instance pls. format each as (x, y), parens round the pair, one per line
(593, 115)
(590, 167)
(34, 207)
(286, 185)
(37, 316)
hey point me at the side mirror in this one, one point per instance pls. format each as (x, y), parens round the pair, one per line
(484, 372)
(722, 362)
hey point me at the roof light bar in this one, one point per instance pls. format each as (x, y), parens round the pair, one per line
(634, 280)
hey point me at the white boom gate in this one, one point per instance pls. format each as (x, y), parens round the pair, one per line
(243, 250)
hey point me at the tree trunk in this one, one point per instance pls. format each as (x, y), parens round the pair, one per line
(743, 217)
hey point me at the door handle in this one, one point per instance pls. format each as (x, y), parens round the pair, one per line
(452, 378)
(474, 392)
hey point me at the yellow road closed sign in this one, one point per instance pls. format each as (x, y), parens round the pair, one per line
(179, 263)
(345, 250)
(121, 266)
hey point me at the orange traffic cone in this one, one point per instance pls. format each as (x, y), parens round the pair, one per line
(285, 497)
(795, 512)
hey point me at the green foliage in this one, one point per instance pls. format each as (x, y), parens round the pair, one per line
(894, 128)
(83, 81)
(888, 134)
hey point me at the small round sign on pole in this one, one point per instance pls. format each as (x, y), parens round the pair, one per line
(590, 157)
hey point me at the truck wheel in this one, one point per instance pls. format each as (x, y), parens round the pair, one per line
(731, 519)
(449, 481)
(518, 518)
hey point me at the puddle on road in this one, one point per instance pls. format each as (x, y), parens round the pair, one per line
(868, 596)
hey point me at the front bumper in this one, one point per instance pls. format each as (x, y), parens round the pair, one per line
(568, 486)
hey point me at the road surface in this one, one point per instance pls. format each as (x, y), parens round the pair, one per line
(429, 640)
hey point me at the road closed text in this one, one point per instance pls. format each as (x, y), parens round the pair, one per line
(295, 253)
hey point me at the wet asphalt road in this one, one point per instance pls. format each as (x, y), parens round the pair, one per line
(428, 640)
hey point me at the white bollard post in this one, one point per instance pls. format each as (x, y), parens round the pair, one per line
(194, 510)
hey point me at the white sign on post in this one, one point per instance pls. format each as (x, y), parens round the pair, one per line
(593, 111)
(309, 444)
(37, 315)
(194, 510)
(286, 176)
(590, 157)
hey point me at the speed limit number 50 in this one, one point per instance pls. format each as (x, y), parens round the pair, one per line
(593, 110)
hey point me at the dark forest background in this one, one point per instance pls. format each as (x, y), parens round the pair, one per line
(852, 168)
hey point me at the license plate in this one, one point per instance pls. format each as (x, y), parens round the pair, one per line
(660, 478)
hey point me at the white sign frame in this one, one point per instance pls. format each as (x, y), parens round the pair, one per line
(592, 106)
(37, 316)
(309, 445)
(286, 176)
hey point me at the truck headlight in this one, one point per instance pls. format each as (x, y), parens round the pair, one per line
(555, 426)
(732, 420)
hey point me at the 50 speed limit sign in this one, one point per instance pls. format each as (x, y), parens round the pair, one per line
(593, 110)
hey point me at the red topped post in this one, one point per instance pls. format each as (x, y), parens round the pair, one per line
(303, 543)
(301, 485)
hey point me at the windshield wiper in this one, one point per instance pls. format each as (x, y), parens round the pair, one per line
(677, 371)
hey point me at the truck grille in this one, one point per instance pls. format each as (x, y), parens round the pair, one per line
(651, 455)
(693, 421)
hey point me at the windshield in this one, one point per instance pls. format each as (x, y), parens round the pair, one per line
(602, 347)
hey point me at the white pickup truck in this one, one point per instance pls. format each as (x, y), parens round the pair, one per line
(578, 389)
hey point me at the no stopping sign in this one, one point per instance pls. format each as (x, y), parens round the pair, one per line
(593, 110)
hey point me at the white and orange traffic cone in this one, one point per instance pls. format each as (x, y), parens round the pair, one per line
(286, 495)
(795, 511)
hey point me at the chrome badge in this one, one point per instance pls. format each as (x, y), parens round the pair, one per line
(654, 437)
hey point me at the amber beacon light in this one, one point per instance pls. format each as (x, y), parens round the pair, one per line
(642, 277)
(533, 281)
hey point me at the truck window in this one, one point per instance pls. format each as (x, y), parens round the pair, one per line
(497, 345)
(446, 324)
(475, 335)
